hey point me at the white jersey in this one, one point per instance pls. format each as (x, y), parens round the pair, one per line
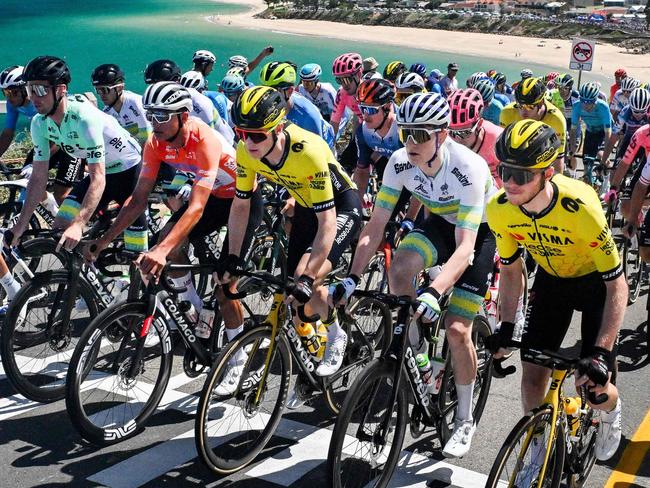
(458, 193)
(204, 109)
(324, 99)
(132, 117)
(618, 101)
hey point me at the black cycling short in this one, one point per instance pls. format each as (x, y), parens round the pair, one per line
(551, 304)
(215, 215)
(119, 187)
(304, 226)
(435, 241)
(592, 143)
(68, 168)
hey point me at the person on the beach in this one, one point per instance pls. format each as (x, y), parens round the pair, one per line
(370, 65)
(449, 83)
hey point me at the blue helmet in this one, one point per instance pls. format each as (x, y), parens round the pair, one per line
(311, 72)
(485, 87)
(589, 92)
(419, 68)
(232, 84)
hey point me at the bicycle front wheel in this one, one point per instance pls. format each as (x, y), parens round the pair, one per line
(109, 400)
(369, 431)
(242, 401)
(520, 461)
(37, 340)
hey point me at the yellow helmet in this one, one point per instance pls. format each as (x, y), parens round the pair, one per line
(530, 91)
(278, 74)
(393, 70)
(259, 107)
(528, 144)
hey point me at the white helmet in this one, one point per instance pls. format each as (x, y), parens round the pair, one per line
(526, 73)
(193, 79)
(203, 56)
(639, 100)
(424, 109)
(12, 77)
(629, 84)
(237, 61)
(479, 75)
(409, 81)
(167, 96)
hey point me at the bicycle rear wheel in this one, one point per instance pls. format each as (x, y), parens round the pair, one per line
(371, 331)
(521, 458)
(231, 429)
(36, 342)
(105, 404)
(362, 453)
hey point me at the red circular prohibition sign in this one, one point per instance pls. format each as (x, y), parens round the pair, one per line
(582, 52)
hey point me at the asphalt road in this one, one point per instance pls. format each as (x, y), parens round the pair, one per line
(39, 447)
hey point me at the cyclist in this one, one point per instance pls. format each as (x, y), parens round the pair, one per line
(530, 103)
(468, 127)
(622, 95)
(327, 213)
(189, 145)
(195, 80)
(407, 84)
(83, 131)
(232, 86)
(598, 121)
(453, 183)
(638, 192)
(492, 105)
(478, 75)
(203, 62)
(525, 74)
(560, 222)
(239, 61)
(420, 69)
(124, 105)
(320, 93)
(619, 74)
(300, 111)
(13, 88)
(393, 70)
(501, 86)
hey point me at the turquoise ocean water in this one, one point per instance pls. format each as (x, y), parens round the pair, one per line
(134, 33)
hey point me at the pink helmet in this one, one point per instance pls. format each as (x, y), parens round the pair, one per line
(466, 108)
(347, 64)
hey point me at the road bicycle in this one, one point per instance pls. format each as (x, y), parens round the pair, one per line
(231, 430)
(553, 443)
(369, 432)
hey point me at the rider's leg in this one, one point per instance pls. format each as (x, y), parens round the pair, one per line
(7, 281)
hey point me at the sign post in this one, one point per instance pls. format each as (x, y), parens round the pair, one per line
(582, 56)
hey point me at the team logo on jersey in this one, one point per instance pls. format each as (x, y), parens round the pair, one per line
(298, 146)
(571, 205)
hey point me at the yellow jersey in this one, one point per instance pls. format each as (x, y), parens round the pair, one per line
(308, 170)
(553, 117)
(569, 239)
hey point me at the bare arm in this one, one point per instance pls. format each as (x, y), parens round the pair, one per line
(510, 289)
(370, 238)
(97, 174)
(258, 59)
(361, 177)
(615, 304)
(609, 145)
(35, 193)
(322, 242)
(237, 221)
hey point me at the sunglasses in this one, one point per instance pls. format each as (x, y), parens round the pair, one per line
(587, 102)
(159, 117)
(369, 109)
(417, 135)
(519, 176)
(38, 90)
(105, 90)
(463, 133)
(639, 112)
(255, 136)
(11, 92)
(527, 106)
(345, 80)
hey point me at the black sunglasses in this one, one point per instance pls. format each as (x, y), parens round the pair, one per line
(519, 175)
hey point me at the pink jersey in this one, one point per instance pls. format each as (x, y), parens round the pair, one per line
(491, 134)
(343, 100)
(640, 140)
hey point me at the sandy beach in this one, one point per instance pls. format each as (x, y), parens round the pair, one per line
(551, 52)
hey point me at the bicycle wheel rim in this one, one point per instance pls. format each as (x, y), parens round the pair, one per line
(231, 430)
(109, 404)
(360, 453)
(37, 343)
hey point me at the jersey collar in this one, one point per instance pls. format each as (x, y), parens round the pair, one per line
(285, 151)
(547, 210)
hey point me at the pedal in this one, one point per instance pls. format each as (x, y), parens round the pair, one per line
(191, 366)
(415, 423)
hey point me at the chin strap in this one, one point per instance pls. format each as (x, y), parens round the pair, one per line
(274, 135)
(117, 98)
(435, 153)
(180, 127)
(539, 190)
(57, 101)
(386, 112)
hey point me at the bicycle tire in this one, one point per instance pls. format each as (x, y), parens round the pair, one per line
(345, 473)
(634, 272)
(225, 458)
(375, 275)
(447, 400)
(101, 352)
(538, 417)
(357, 354)
(586, 451)
(15, 339)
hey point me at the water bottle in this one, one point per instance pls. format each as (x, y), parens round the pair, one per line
(189, 310)
(437, 372)
(321, 333)
(572, 408)
(309, 338)
(203, 328)
(426, 373)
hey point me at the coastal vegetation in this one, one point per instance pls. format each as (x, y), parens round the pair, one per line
(336, 11)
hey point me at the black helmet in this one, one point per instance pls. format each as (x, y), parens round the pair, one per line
(258, 107)
(162, 70)
(107, 74)
(530, 91)
(528, 144)
(49, 68)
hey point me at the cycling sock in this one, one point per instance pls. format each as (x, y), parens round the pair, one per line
(609, 416)
(333, 329)
(232, 333)
(464, 410)
(10, 285)
(240, 356)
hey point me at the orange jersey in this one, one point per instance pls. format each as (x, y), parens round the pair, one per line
(205, 154)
